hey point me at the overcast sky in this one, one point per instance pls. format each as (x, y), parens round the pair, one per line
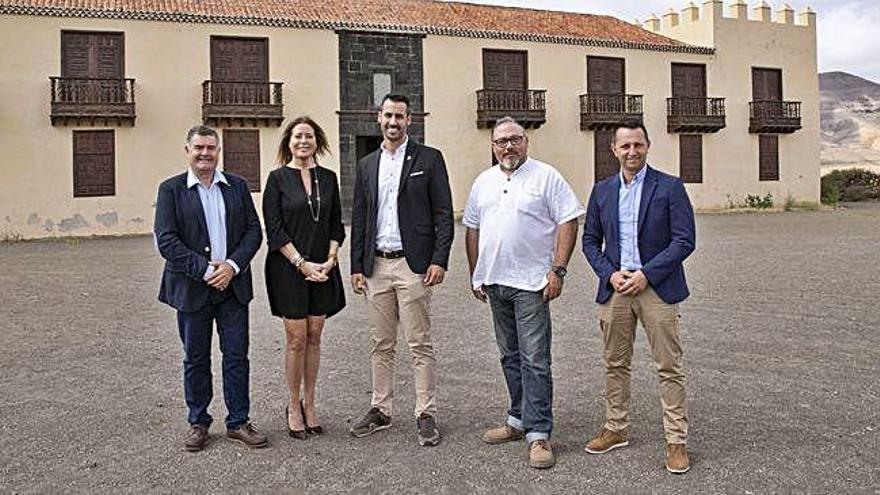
(848, 30)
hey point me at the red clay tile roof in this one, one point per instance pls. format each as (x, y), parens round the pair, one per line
(421, 16)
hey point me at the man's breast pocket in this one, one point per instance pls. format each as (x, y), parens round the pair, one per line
(530, 201)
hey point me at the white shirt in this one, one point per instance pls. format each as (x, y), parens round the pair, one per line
(215, 216)
(629, 199)
(387, 223)
(518, 216)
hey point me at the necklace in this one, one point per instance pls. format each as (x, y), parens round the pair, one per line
(312, 210)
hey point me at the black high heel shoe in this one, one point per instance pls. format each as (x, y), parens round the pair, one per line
(311, 430)
(297, 434)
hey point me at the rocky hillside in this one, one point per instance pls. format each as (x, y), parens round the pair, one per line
(850, 119)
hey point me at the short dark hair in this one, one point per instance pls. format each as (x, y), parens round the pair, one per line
(630, 124)
(285, 156)
(397, 98)
(201, 130)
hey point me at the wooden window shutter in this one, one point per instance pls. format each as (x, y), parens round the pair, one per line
(605, 164)
(605, 75)
(241, 155)
(94, 163)
(768, 157)
(505, 69)
(691, 158)
(94, 55)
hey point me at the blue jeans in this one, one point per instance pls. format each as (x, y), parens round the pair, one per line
(522, 332)
(196, 329)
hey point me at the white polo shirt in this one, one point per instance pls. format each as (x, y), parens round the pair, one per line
(518, 216)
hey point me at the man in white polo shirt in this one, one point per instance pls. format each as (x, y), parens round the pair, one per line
(521, 220)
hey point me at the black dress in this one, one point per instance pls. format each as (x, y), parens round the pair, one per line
(289, 218)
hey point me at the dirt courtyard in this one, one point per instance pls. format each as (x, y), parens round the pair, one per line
(782, 355)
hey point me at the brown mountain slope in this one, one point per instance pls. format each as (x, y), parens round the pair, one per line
(850, 121)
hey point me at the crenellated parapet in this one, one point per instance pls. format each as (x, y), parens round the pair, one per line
(691, 17)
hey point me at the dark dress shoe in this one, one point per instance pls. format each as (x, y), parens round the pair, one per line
(311, 430)
(196, 438)
(297, 434)
(248, 435)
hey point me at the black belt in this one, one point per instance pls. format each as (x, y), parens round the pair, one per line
(391, 255)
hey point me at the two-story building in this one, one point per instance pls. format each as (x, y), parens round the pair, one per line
(95, 97)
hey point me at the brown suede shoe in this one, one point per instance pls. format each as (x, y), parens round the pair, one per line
(248, 435)
(196, 438)
(541, 455)
(607, 440)
(677, 461)
(502, 434)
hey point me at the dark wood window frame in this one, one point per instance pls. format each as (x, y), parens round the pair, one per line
(690, 158)
(251, 171)
(65, 68)
(605, 164)
(94, 170)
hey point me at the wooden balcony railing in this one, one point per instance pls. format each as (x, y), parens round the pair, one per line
(242, 103)
(604, 111)
(695, 114)
(774, 117)
(527, 106)
(91, 101)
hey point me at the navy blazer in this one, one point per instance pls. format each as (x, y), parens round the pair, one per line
(666, 234)
(182, 238)
(424, 210)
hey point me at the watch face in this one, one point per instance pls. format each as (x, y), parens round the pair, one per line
(560, 271)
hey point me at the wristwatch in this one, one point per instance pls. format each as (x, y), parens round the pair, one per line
(560, 271)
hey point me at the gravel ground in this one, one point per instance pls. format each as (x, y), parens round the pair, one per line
(782, 351)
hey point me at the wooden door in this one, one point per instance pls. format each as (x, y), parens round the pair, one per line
(605, 75)
(237, 65)
(92, 67)
(505, 69)
(605, 164)
(689, 89)
(766, 84)
(241, 155)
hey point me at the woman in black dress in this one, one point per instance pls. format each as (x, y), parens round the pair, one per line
(304, 231)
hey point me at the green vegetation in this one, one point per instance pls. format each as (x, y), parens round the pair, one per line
(761, 203)
(855, 184)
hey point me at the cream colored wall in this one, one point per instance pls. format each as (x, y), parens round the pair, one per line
(453, 74)
(730, 157)
(168, 62)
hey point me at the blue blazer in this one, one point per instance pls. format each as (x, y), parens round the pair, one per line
(182, 238)
(666, 234)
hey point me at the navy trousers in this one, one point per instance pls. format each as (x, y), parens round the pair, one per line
(196, 330)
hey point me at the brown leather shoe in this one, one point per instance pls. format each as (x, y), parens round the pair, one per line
(677, 461)
(541, 455)
(248, 435)
(502, 434)
(607, 440)
(196, 438)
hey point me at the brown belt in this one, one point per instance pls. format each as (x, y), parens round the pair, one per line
(391, 255)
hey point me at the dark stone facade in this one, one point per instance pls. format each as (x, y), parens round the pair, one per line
(361, 55)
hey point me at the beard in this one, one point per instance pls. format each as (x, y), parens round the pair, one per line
(510, 163)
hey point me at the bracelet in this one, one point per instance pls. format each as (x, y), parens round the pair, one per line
(298, 261)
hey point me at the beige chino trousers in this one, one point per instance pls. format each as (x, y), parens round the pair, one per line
(618, 319)
(397, 295)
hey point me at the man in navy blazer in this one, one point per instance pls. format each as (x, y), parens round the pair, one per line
(401, 234)
(208, 231)
(645, 221)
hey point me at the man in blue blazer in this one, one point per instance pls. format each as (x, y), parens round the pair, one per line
(646, 223)
(208, 231)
